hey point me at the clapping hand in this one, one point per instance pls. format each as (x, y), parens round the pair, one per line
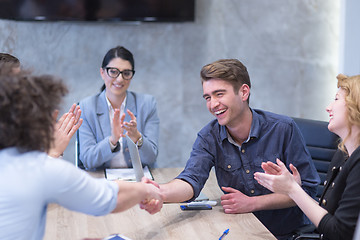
(64, 129)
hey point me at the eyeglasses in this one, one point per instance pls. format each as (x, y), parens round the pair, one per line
(114, 73)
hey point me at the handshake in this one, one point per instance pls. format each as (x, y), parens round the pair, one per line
(154, 197)
(147, 193)
(150, 195)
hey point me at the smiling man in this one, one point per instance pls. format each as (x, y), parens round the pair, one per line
(235, 144)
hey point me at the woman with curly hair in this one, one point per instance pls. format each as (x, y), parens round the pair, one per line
(68, 123)
(29, 178)
(336, 214)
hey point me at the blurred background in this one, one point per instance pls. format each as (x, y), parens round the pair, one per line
(293, 50)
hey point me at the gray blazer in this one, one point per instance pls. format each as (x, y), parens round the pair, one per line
(94, 133)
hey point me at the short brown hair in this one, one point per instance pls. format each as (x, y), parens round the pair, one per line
(27, 104)
(230, 70)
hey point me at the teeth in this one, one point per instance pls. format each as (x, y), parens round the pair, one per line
(220, 111)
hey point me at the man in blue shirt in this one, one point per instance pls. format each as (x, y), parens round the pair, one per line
(236, 143)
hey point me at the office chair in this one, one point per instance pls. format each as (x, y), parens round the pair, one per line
(322, 145)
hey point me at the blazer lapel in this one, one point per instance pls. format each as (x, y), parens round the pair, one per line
(131, 105)
(102, 112)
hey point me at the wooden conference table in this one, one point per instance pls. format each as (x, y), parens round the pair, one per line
(169, 223)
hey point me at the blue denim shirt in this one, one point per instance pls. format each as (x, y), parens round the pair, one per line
(271, 136)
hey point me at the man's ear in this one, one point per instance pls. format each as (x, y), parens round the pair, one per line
(244, 90)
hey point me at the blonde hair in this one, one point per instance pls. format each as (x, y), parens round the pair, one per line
(351, 86)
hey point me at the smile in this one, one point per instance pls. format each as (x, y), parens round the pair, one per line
(118, 85)
(220, 111)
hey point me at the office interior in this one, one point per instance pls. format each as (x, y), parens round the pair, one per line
(293, 51)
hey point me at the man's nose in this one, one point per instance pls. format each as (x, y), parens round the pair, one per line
(214, 103)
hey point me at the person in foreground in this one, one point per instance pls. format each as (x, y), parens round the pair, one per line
(236, 143)
(115, 109)
(68, 123)
(30, 179)
(336, 216)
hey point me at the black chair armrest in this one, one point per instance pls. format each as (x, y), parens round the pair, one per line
(308, 236)
(306, 232)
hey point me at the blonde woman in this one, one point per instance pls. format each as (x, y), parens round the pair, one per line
(336, 215)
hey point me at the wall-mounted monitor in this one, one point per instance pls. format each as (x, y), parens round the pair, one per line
(98, 10)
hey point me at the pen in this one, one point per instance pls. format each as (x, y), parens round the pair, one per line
(224, 234)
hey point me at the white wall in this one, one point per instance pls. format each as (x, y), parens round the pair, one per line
(290, 48)
(350, 37)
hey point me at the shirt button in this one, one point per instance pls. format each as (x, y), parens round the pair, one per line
(252, 191)
(243, 151)
(229, 166)
(247, 170)
(333, 169)
(325, 182)
(324, 202)
(340, 168)
(332, 185)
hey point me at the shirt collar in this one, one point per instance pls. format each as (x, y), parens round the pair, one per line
(122, 107)
(254, 130)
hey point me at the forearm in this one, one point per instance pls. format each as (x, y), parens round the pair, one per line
(129, 195)
(272, 201)
(148, 152)
(177, 191)
(308, 205)
(94, 154)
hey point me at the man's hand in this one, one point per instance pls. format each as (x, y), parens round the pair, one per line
(235, 201)
(64, 129)
(152, 206)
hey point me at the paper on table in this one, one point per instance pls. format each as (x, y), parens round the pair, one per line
(126, 174)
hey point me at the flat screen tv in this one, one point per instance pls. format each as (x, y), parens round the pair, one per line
(98, 10)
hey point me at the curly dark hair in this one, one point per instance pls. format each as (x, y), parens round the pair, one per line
(27, 105)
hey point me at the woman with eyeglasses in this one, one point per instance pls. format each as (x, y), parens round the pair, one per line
(336, 215)
(114, 112)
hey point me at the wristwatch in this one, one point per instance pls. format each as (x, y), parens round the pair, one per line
(139, 142)
(115, 148)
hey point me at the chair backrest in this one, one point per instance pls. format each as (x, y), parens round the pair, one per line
(321, 143)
